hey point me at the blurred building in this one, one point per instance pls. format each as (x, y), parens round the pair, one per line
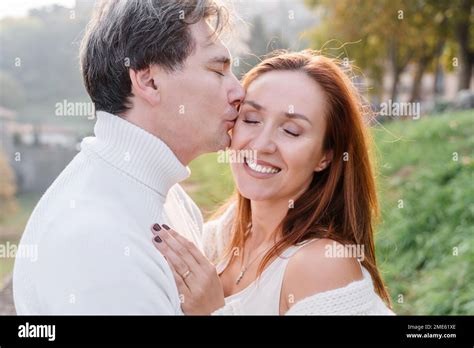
(37, 153)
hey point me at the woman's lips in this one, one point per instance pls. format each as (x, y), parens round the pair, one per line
(260, 171)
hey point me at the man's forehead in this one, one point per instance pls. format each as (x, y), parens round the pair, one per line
(209, 41)
(215, 43)
(217, 48)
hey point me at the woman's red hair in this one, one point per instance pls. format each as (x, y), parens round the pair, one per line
(341, 201)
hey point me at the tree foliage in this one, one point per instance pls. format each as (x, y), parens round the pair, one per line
(388, 35)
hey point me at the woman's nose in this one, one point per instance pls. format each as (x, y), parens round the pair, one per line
(263, 142)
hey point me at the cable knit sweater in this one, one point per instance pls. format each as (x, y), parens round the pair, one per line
(356, 298)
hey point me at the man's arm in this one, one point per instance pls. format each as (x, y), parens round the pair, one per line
(98, 272)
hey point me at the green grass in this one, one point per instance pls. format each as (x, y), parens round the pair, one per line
(18, 221)
(210, 183)
(12, 227)
(6, 267)
(426, 248)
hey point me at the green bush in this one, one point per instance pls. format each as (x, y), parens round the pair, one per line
(426, 248)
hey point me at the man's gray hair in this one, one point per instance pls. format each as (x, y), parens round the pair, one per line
(124, 34)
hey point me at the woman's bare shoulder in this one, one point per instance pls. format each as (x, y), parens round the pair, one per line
(314, 268)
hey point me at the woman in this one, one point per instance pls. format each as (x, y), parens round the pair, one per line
(309, 193)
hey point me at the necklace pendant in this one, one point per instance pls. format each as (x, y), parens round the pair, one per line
(239, 278)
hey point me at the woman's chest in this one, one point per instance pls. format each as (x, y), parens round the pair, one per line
(261, 294)
(235, 278)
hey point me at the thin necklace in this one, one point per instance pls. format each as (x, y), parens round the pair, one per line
(244, 268)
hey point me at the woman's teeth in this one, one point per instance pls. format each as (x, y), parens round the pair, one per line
(261, 169)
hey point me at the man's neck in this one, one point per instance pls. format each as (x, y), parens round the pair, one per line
(163, 131)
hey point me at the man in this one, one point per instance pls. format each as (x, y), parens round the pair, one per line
(160, 79)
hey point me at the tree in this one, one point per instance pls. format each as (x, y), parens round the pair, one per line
(12, 94)
(40, 54)
(261, 43)
(400, 33)
(8, 204)
(463, 22)
(378, 33)
(430, 24)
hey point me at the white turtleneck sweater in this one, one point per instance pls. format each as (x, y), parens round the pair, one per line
(91, 229)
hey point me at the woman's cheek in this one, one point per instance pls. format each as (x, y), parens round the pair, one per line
(296, 157)
(239, 136)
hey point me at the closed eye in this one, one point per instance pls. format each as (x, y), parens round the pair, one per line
(291, 133)
(251, 122)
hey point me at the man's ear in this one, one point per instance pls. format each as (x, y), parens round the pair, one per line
(325, 161)
(145, 85)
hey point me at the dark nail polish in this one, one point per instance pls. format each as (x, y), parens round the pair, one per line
(166, 227)
(158, 239)
(156, 227)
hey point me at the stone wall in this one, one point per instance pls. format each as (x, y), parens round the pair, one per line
(37, 167)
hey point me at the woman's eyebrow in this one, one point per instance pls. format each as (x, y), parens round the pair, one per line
(296, 115)
(287, 114)
(253, 104)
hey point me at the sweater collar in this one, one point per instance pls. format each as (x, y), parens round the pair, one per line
(135, 152)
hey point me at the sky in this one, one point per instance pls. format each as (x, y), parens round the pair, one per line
(19, 8)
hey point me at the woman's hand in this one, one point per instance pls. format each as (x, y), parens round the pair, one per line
(199, 285)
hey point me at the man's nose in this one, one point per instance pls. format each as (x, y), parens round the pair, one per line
(236, 93)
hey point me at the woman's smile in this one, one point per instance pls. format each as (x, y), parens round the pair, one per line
(260, 169)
